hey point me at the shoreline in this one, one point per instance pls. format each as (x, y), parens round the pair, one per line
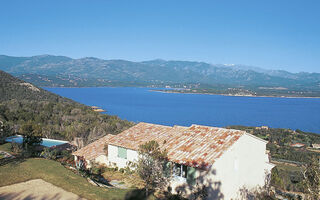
(228, 95)
(169, 91)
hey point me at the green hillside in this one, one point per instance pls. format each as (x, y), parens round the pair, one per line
(60, 118)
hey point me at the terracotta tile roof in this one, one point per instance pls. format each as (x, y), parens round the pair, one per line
(94, 149)
(139, 134)
(200, 146)
(197, 146)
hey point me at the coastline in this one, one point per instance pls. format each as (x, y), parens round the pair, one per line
(289, 97)
(175, 91)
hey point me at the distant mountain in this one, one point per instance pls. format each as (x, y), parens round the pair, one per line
(47, 70)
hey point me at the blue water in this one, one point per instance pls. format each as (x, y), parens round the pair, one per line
(45, 142)
(140, 104)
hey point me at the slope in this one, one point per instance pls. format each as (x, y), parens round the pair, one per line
(59, 118)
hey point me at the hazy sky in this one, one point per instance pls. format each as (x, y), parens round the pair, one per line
(279, 34)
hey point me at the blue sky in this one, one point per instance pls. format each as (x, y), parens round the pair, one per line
(279, 34)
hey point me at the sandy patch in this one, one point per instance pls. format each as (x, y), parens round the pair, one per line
(36, 189)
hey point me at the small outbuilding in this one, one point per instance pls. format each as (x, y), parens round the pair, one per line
(297, 145)
(316, 146)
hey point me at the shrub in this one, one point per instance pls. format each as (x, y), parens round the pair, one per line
(122, 170)
(16, 148)
(97, 169)
(49, 154)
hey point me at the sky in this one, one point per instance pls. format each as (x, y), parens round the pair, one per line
(272, 34)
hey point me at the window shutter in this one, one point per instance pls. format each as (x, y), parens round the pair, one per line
(122, 152)
(191, 176)
(167, 169)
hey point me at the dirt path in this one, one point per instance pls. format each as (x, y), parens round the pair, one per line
(36, 189)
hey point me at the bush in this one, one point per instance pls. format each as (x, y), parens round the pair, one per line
(97, 169)
(66, 154)
(122, 170)
(2, 141)
(16, 147)
(49, 154)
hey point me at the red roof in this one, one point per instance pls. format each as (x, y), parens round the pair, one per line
(197, 146)
(297, 145)
(94, 149)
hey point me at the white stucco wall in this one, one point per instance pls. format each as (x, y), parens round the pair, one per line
(120, 162)
(102, 159)
(243, 164)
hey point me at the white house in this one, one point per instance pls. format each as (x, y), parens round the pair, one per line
(226, 160)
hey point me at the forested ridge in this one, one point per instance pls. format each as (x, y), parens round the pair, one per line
(58, 117)
(14, 88)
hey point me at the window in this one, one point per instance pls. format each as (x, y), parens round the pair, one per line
(184, 173)
(122, 153)
(180, 170)
(177, 170)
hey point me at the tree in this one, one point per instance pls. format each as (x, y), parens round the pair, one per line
(311, 175)
(32, 136)
(276, 178)
(151, 166)
(5, 131)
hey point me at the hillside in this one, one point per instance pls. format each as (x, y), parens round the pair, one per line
(14, 88)
(60, 71)
(60, 118)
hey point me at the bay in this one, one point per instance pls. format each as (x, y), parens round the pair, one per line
(144, 105)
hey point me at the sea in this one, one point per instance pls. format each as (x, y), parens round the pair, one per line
(145, 105)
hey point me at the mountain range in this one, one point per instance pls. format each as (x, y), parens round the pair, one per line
(61, 71)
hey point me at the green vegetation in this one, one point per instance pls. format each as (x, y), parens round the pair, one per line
(61, 120)
(288, 177)
(32, 138)
(57, 117)
(311, 174)
(53, 172)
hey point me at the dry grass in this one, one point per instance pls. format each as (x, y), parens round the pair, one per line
(36, 189)
(130, 180)
(6, 147)
(53, 172)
